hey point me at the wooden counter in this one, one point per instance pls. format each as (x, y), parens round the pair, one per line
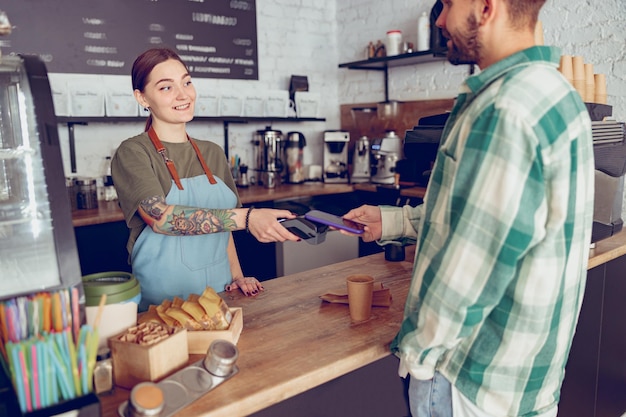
(293, 342)
(608, 249)
(109, 211)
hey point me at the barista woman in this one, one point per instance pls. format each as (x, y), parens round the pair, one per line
(182, 190)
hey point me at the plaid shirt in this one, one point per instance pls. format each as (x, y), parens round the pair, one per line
(503, 241)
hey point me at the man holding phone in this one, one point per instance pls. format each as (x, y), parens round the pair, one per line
(503, 235)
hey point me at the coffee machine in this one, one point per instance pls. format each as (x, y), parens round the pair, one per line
(385, 153)
(361, 161)
(336, 156)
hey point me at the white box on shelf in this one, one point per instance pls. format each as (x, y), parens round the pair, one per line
(60, 94)
(86, 96)
(254, 104)
(207, 98)
(231, 104)
(119, 98)
(307, 104)
(277, 103)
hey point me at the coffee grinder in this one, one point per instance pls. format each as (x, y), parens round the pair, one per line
(336, 156)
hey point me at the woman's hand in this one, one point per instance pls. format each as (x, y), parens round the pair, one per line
(247, 285)
(264, 226)
(370, 217)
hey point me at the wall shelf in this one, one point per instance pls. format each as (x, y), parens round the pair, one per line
(71, 121)
(384, 63)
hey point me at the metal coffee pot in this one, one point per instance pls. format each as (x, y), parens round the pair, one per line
(268, 150)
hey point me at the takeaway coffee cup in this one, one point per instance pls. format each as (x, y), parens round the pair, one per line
(360, 292)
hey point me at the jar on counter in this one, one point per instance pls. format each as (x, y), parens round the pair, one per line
(86, 193)
(103, 372)
(146, 399)
(393, 45)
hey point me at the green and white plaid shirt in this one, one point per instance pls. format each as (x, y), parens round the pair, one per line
(502, 239)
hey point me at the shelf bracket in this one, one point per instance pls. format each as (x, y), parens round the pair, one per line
(386, 84)
(72, 140)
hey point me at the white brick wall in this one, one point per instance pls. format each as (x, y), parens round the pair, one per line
(311, 37)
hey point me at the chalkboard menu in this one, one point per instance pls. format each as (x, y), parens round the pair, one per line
(216, 38)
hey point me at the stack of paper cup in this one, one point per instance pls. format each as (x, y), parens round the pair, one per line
(566, 68)
(589, 84)
(578, 66)
(600, 89)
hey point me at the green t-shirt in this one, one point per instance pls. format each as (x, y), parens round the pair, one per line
(139, 172)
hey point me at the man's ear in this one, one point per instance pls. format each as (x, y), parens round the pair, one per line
(488, 9)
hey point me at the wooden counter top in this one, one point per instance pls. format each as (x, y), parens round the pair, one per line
(286, 323)
(608, 249)
(292, 341)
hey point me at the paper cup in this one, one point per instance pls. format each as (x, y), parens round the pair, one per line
(600, 89)
(566, 67)
(360, 291)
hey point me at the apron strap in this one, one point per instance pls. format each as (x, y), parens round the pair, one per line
(205, 167)
(170, 164)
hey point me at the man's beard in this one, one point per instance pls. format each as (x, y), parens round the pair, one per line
(465, 47)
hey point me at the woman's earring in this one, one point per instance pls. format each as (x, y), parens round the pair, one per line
(146, 109)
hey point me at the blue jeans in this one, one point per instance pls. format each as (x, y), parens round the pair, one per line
(431, 398)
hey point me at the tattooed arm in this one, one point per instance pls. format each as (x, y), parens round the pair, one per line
(175, 220)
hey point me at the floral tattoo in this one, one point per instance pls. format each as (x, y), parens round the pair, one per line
(189, 221)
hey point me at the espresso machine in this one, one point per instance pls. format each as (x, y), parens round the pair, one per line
(385, 153)
(361, 161)
(336, 156)
(268, 152)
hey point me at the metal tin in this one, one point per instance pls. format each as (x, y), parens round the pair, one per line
(221, 357)
(146, 399)
(86, 193)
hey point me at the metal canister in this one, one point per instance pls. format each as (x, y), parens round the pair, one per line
(86, 193)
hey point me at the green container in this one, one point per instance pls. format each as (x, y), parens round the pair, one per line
(119, 287)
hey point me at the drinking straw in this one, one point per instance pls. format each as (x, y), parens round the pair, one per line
(12, 322)
(34, 366)
(22, 317)
(25, 379)
(44, 385)
(103, 300)
(84, 373)
(17, 373)
(75, 313)
(62, 373)
(47, 312)
(57, 319)
(4, 332)
(71, 349)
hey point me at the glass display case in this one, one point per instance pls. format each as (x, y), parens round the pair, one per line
(37, 243)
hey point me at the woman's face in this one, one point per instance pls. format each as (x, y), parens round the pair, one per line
(169, 93)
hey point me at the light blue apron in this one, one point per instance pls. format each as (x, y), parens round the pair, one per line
(169, 266)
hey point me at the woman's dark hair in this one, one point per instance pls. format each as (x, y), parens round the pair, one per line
(143, 66)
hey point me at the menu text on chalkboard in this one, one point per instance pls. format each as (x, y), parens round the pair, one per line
(215, 38)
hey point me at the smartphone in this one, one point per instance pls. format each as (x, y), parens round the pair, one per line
(334, 221)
